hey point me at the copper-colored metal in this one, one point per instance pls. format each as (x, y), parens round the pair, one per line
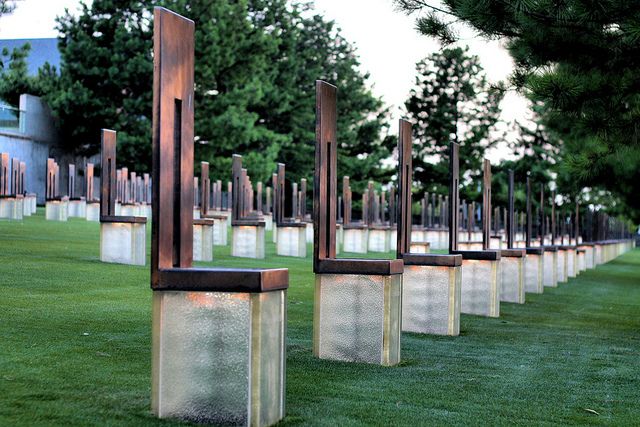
(108, 173)
(15, 176)
(52, 189)
(553, 217)
(576, 233)
(259, 197)
(4, 174)
(346, 200)
(295, 204)
(280, 194)
(267, 204)
(23, 174)
(303, 198)
(529, 218)
(486, 204)
(205, 183)
(454, 195)
(510, 202)
(71, 182)
(393, 215)
(405, 184)
(88, 182)
(237, 191)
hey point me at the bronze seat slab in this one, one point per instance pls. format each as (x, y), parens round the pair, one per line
(534, 251)
(436, 260)
(355, 226)
(581, 250)
(379, 267)
(566, 247)
(223, 279)
(203, 221)
(249, 222)
(379, 227)
(488, 255)
(214, 217)
(513, 253)
(123, 219)
(292, 224)
(550, 248)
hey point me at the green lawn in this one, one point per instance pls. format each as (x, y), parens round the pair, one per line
(75, 347)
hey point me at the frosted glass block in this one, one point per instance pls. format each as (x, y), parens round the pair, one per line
(357, 318)
(431, 299)
(571, 262)
(93, 212)
(533, 280)
(77, 209)
(202, 242)
(123, 243)
(11, 208)
(196, 213)
(550, 272)
(444, 239)
(480, 287)
(26, 206)
(581, 261)
(268, 222)
(588, 256)
(597, 258)
(128, 210)
(220, 232)
(247, 241)
(57, 210)
(274, 235)
(355, 240)
(392, 238)
(562, 266)
(378, 241)
(512, 272)
(495, 243)
(418, 236)
(292, 241)
(420, 248)
(309, 231)
(470, 246)
(218, 357)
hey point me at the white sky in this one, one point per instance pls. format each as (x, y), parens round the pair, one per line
(385, 39)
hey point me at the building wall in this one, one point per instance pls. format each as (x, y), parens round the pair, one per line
(34, 154)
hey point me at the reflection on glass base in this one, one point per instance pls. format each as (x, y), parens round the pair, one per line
(57, 210)
(533, 271)
(292, 241)
(219, 357)
(550, 272)
(202, 242)
(77, 209)
(123, 242)
(357, 318)
(247, 241)
(12, 208)
(355, 240)
(220, 231)
(562, 266)
(431, 299)
(512, 286)
(481, 287)
(93, 212)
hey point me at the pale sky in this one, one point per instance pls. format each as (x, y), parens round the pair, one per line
(386, 42)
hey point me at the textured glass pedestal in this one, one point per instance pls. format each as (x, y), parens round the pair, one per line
(481, 287)
(292, 241)
(268, 222)
(470, 246)
(77, 209)
(12, 208)
(512, 281)
(392, 238)
(533, 272)
(202, 242)
(32, 201)
(56, 210)
(220, 231)
(431, 299)
(26, 206)
(418, 235)
(93, 212)
(357, 318)
(562, 266)
(247, 241)
(355, 240)
(597, 255)
(572, 261)
(129, 209)
(309, 230)
(580, 257)
(378, 240)
(219, 357)
(588, 256)
(550, 272)
(434, 237)
(420, 248)
(123, 242)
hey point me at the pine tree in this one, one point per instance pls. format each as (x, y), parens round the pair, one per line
(451, 101)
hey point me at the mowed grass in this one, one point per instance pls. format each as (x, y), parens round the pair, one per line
(75, 347)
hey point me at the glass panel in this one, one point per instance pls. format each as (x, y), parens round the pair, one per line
(480, 291)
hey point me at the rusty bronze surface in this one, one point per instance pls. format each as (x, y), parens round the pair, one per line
(88, 182)
(513, 253)
(454, 195)
(123, 219)
(205, 188)
(393, 215)
(303, 198)
(346, 201)
(484, 255)
(172, 201)
(553, 218)
(53, 180)
(529, 219)
(510, 213)
(486, 204)
(267, 204)
(203, 221)
(259, 197)
(295, 203)
(23, 174)
(4, 174)
(325, 185)
(280, 194)
(435, 260)
(15, 177)
(576, 232)
(108, 174)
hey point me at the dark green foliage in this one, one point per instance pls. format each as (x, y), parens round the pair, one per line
(580, 58)
(256, 64)
(452, 102)
(14, 76)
